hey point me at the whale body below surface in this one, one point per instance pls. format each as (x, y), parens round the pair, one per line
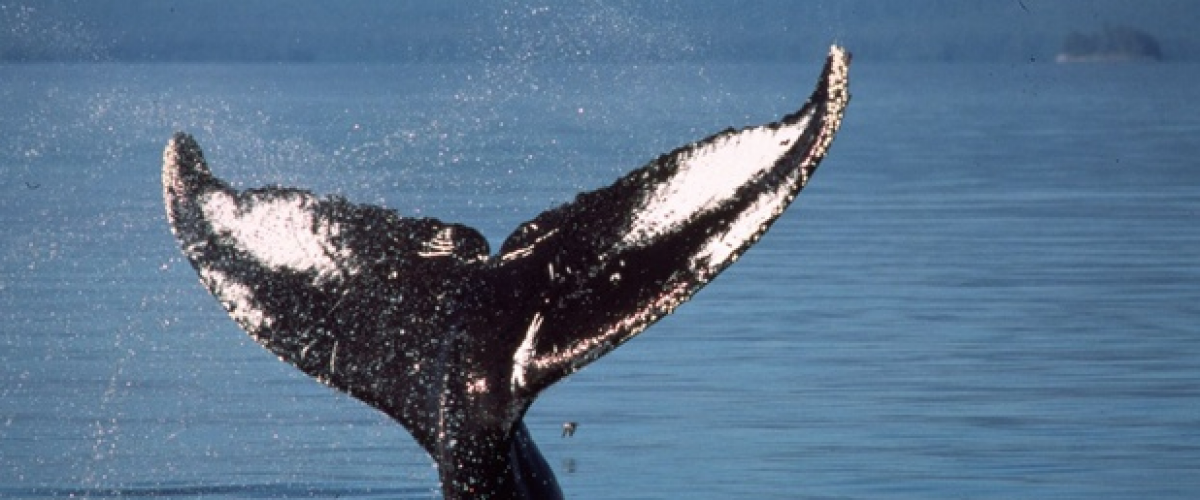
(416, 317)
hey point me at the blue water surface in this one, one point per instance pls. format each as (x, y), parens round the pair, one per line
(991, 289)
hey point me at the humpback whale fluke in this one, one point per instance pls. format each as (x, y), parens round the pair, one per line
(416, 318)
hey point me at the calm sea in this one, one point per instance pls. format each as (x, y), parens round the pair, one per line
(991, 289)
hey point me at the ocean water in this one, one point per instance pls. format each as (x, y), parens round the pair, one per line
(990, 290)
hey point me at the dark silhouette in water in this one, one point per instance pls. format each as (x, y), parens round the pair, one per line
(416, 318)
(1112, 44)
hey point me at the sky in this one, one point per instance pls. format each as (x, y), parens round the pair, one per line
(628, 30)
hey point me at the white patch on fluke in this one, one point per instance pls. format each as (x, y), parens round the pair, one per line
(712, 174)
(441, 245)
(524, 355)
(722, 247)
(281, 234)
(527, 250)
(237, 298)
(709, 176)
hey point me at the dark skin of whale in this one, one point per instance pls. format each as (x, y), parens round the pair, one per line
(415, 316)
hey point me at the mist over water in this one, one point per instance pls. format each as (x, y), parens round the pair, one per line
(305, 31)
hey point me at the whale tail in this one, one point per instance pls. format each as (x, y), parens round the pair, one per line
(417, 318)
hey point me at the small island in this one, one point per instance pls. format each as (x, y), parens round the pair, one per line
(1112, 44)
